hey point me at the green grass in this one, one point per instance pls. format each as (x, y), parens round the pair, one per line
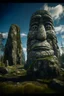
(25, 87)
(15, 74)
(2, 64)
(14, 71)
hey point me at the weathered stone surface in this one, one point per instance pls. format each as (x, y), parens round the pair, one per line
(46, 66)
(40, 54)
(42, 47)
(52, 39)
(13, 53)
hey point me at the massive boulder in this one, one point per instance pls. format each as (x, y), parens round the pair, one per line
(42, 47)
(13, 53)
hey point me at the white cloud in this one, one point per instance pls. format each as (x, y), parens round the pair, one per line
(59, 29)
(57, 11)
(25, 52)
(62, 43)
(23, 35)
(60, 50)
(24, 49)
(62, 36)
(5, 35)
(45, 6)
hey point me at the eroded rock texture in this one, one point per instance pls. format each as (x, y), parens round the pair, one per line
(42, 47)
(13, 53)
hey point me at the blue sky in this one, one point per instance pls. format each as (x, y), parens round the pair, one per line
(20, 14)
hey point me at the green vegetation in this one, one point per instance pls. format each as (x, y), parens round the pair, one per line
(28, 87)
(25, 87)
(2, 64)
(45, 58)
(34, 61)
(14, 71)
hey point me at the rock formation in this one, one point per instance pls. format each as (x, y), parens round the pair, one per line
(42, 47)
(13, 53)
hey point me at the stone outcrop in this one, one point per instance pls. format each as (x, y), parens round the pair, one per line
(42, 47)
(13, 53)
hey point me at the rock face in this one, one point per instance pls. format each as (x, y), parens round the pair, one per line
(13, 53)
(42, 48)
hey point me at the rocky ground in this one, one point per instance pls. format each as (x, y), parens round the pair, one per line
(20, 83)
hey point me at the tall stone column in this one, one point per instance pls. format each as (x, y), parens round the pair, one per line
(13, 50)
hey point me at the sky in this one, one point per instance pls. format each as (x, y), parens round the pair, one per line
(20, 14)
